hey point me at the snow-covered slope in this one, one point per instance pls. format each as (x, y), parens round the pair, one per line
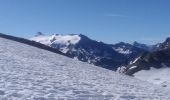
(61, 42)
(29, 73)
(120, 50)
(157, 76)
(152, 66)
(123, 48)
(128, 50)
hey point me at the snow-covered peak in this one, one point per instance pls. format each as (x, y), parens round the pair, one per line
(73, 39)
(42, 39)
(57, 39)
(60, 42)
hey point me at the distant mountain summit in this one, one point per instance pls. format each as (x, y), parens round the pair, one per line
(155, 64)
(142, 46)
(85, 49)
(60, 42)
(157, 59)
(123, 48)
(39, 34)
(165, 44)
(128, 50)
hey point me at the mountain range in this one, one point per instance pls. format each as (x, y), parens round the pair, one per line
(81, 47)
(158, 58)
(134, 59)
(152, 66)
(148, 63)
(33, 71)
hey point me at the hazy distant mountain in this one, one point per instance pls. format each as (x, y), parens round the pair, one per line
(156, 62)
(128, 50)
(149, 48)
(164, 45)
(142, 46)
(156, 59)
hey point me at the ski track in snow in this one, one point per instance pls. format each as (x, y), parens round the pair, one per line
(29, 73)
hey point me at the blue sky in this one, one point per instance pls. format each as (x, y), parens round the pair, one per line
(110, 21)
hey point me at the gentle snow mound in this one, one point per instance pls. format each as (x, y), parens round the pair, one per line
(157, 76)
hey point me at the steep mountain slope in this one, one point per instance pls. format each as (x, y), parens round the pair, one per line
(156, 63)
(149, 48)
(142, 46)
(32, 43)
(29, 73)
(84, 49)
(129, 51)
(164, 45)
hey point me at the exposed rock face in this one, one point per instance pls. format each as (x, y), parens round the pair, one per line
(156, 59)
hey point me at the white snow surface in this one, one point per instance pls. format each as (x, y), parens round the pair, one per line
(135, 60)
(159, 76)
(29, 73)
(122, 51)
(133, 67)
(59, 39)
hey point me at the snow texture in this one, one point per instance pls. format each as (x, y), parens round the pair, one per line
(157, 76)
(58, 39)
(63, 41)
(29, 73)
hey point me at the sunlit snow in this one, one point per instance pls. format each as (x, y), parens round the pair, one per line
(63, 41)
(29, 73)
(159, 76)
(122, 51)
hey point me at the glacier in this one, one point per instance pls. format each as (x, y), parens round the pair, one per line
(30, 73)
